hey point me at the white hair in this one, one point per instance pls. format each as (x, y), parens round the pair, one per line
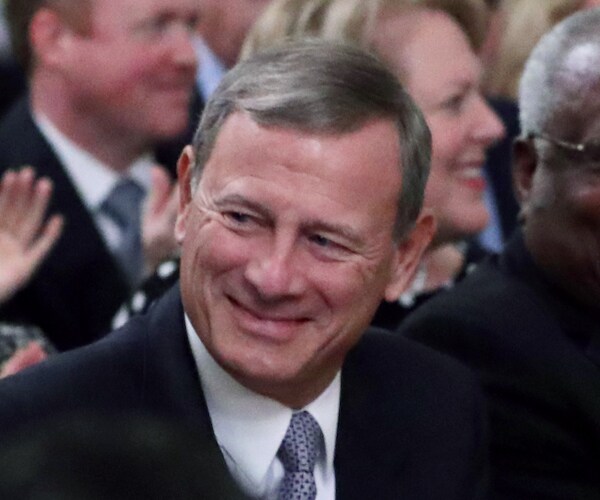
(561, 71)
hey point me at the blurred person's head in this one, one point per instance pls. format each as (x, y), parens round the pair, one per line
(519, 26)
(224, 25)
(557, 160)
(120, 72)
(434, 58)
(430, 45)
(303, 188)
(94, 457)
(283, 20)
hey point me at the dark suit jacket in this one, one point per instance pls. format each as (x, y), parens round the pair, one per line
(528, 342)
(12, 83)
(410, 423)
(79, 287)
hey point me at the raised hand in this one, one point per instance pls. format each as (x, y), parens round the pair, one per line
(25, 239)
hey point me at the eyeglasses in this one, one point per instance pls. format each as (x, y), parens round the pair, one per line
(589, 151)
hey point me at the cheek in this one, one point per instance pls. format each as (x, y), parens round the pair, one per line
(216, 250)
(585, 206)
(438, 190)
(343, 287)
(127, 72)
(445, 149)
(447, 146)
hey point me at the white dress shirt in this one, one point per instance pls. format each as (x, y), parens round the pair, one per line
(250, 427)
(92, 179)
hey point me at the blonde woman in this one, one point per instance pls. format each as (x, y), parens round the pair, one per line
(430, 45)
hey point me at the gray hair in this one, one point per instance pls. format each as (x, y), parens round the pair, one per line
(324, 88)
(560, 73)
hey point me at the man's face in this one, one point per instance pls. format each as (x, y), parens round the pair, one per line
(562, 208)
(288, 249)
(132, 72)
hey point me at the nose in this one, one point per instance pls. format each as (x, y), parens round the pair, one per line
(489, 128)
(273, 272)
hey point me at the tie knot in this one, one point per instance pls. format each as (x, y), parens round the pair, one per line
(300, 446)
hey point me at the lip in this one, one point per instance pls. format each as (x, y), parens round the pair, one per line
(275, 328)
(471, 175)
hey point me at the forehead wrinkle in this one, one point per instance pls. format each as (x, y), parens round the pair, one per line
(310, 224)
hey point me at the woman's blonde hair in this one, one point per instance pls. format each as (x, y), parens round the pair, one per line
(351, 20)
(524, 23)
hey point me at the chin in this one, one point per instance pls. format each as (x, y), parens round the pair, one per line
(462, 230)
(261, 374)
(472, 222)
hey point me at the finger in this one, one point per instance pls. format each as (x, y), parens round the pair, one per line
(43, 244)
(34, 214)
(19, 198)
(161, 190)
(6, 187)
(23, 358)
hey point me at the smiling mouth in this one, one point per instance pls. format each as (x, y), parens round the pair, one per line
(273, 327)
(472, 177)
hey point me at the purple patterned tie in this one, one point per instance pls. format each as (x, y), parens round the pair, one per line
(298, 453)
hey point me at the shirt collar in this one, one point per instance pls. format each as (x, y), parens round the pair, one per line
(93, 179)
(250, 427)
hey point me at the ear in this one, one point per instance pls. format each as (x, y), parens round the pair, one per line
(49, 37)
(525, 162)
(185, 166)
(408, 255)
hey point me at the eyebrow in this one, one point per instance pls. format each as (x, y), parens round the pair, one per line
(345, 231)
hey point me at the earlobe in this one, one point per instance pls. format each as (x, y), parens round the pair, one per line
(408, 255)
(184, 181)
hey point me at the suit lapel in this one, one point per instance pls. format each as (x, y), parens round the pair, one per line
(362, 465)
(171, 384)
